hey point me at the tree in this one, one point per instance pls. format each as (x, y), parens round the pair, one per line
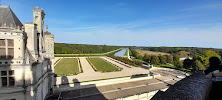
(183, 54)
(176, 58)
(139, 57)
(146, 58)
(163, 59)
(207, 54)
(136, 54)
(187, 63)
(197, 65)
(169, 59)
(210, 53)
(178, 64)
(155, 60)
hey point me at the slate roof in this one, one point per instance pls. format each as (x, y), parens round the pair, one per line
(8, 17)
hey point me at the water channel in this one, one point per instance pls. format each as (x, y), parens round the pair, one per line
(121, 53)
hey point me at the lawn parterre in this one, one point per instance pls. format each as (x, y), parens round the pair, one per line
(102, 65)
(126, 60)
(67, 66)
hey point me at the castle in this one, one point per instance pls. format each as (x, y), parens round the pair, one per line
(25, 57)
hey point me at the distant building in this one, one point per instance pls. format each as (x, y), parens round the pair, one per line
(183, 58)
(25, 57)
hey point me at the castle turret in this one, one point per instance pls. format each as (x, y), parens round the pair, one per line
(39, 20)
(49, 44)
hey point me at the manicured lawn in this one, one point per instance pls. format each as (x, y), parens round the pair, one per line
(102, 65)
(126, 53)
(67, 66)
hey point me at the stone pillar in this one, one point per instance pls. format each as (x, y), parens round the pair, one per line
(22, 48)
(6, 48)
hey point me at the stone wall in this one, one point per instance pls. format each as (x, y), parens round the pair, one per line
(194, 87)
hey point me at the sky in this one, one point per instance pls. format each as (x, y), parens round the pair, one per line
(172, 23)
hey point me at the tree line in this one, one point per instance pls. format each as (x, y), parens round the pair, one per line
(63, 48)
(173, 50)
(194, 63)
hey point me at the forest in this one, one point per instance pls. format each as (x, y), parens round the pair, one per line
(63, 48)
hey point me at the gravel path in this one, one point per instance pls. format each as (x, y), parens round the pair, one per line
(87, 69)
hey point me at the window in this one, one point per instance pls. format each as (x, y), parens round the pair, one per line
(36, 17)
(6, 48)
(10, 43)
(2, 53)
(2, 42)
(7, 78)
(10, 53)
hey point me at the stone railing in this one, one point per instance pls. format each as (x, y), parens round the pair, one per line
(194, 87)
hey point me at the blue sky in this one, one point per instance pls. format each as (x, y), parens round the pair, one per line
(191, 23)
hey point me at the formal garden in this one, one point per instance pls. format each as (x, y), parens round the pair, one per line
(101, 65)
(67, 66)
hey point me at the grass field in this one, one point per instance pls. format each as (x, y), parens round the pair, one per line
(126, 53)
(102, 65)
(142, 52)
(67, 66)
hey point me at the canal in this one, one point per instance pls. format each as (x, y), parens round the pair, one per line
(121, 53)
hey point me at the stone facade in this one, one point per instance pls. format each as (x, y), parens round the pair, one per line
(25, 57)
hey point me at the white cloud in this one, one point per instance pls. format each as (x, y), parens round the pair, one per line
(206, 37)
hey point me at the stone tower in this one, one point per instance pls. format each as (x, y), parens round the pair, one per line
(49, 44)
(39, 20)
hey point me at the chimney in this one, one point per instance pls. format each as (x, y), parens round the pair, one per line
(47, 28)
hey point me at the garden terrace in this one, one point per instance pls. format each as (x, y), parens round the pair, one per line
(102, 65)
